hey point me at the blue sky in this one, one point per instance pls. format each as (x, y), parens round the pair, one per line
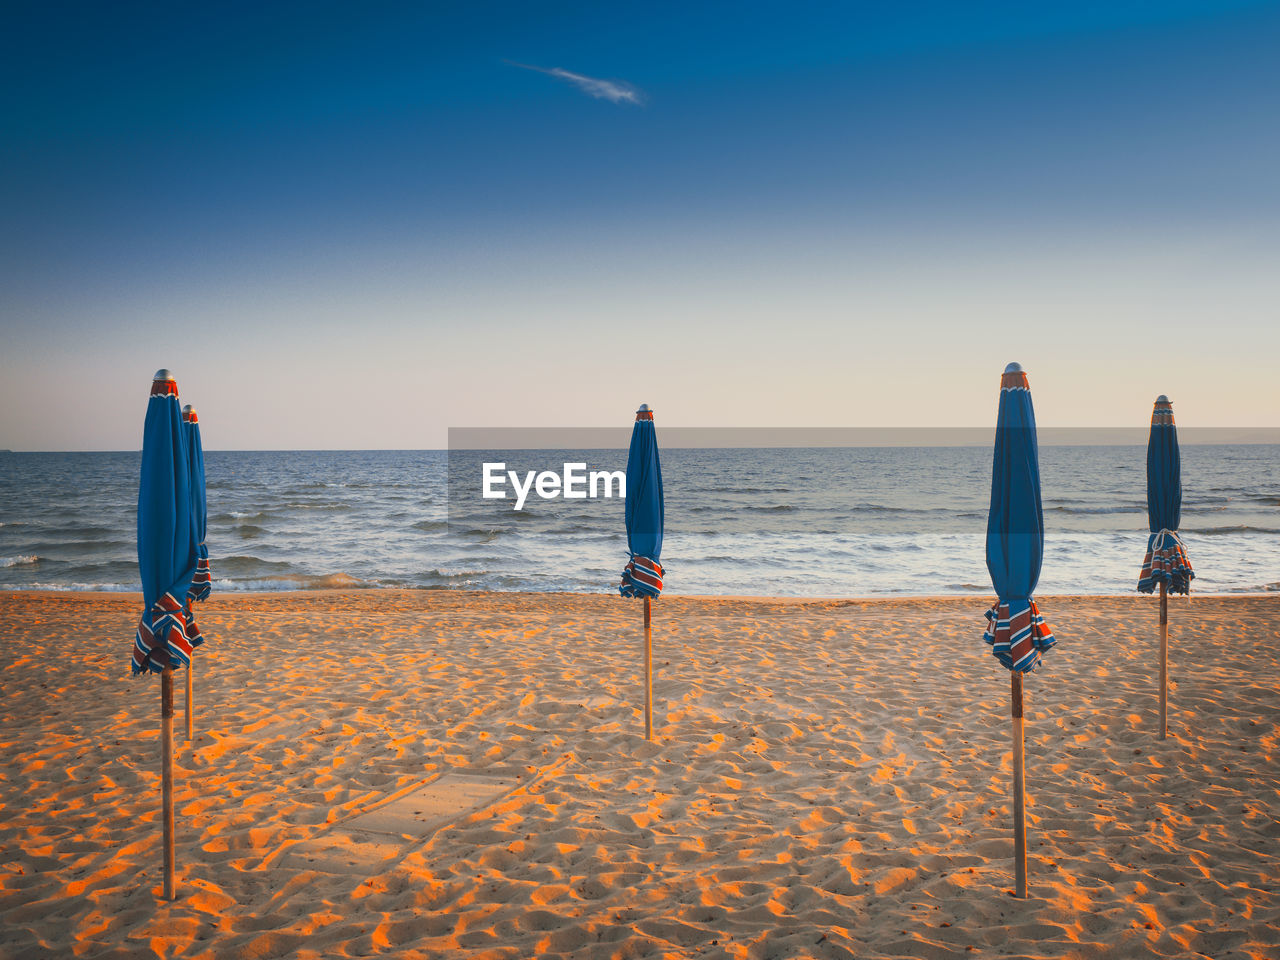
(356, 228)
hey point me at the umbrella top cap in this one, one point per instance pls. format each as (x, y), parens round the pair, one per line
(163, 384)
(189, 414)
(644, 413)
(1163, 399)
(1013, 378)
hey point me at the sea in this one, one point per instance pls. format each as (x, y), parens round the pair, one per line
(808, 522)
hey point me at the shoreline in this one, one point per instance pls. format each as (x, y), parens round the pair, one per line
(665, 598)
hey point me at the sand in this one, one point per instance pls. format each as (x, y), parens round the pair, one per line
(441, 774)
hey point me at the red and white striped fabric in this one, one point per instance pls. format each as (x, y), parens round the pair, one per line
(202, 582)
(165, 637)
(1166, 561)
(642, 577)
(1018, 638)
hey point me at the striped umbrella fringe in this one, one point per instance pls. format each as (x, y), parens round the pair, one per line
(194, 636)
(165, 637)
(1018, 638)
(202, 582)
(642, 577)
(1166, 562)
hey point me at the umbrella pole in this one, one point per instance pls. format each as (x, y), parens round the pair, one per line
(166, 774)
(648, 673)
(1019, 792)
(1164, 658)
(191, 667)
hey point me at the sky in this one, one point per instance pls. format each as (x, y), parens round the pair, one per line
(356, 226)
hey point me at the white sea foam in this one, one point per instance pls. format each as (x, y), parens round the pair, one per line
(74, 586)
(18, 561)
(294, 581)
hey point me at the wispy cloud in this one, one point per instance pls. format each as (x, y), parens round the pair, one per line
(615, 91)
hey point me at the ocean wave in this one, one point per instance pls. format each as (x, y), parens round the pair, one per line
(1223, 531)
(425, 580)
(86, 547)
(482, 534)
(19, 561)
(298, 581)
(58, 532)
(75, 587)
(431, 525)
(249, 531)
(85, 532)
(449, 577)
(247, 565)
(1134, 508)
(884, 508)
(600, 531)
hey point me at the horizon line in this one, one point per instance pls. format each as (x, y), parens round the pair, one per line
(612, 438)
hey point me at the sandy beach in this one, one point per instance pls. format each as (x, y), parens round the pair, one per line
(443, 774)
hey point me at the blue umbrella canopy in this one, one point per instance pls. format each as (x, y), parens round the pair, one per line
(644, 512)
(166, 534)
(202, 582)
(1166, 559)
(1018, 635)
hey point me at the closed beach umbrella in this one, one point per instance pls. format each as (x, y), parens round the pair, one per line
(1018, 635)
(644, 515)
(1166, 562)
(167, 563)
(167, 542)
(201, 582)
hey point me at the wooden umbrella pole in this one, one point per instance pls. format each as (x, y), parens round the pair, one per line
(191, 669)
(166, 775)
(648, 673)
(1019, 792)
(1164, 659)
